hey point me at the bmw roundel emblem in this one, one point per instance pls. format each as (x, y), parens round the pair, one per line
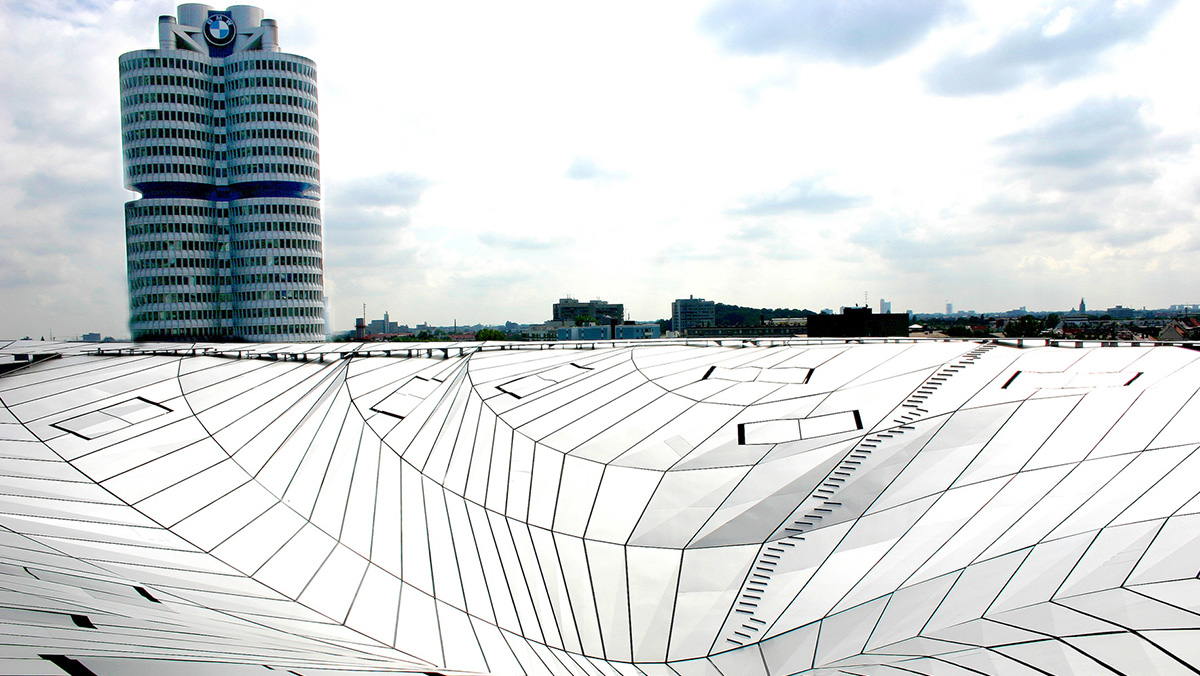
(219, 30)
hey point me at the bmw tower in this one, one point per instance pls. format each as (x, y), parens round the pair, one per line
(219, 133)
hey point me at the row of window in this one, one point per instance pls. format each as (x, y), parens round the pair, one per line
(171, 97)
(282, 330)
(287, 209)
(278, 294)
(274, 168)
(150, 281)
(277, 278)
(160, 168)
(249, 261)
(171, 151)
(292, 209)
(178, 315)
(210, 263)
(204, 333)
(238, 119)
(181, 297)
(172, 116)
(208, 154)
(273, 99)
(139, 62)
(286, 134)
(144, 229)
(176, 280)
(273, 64)
(272, 81)
(265, 151)
(216, 313)
(251, 244)
(184, 245)
(156, 80)
(283, 226)
(172, 132)
(210, 70)
(139, 210)
(256, 312)
(145, 169)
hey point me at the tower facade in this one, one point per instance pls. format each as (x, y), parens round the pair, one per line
(219, 133)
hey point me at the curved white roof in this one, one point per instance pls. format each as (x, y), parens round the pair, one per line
(653, 507)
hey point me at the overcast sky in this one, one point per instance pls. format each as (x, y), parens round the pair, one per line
(480, 160)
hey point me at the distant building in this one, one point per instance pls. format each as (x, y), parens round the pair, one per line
(638, 331)
(788, 321)
(1187, 328)
(605, 332)
(691, 311)
(585, 333)
(857, 322)
(1120, 312)
(885, 306)
(949, 308)
(547, 331)
(761, 331)
(385, 325)
(90, 338)
(569, 309)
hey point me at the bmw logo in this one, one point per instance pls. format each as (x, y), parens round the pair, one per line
(219, 30)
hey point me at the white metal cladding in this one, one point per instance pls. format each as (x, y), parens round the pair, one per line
(222, 143)
(426, 508)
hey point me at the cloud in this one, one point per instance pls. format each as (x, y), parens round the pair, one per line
(802, 196)
(1098, 144)
(518, 243)
(381, 190)
(1127, 237)
(585, 169)
(902, 240)
(859, 32)
(365, 220)
(1056, 46)
(72, 12)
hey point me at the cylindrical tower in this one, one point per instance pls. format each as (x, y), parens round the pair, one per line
(274, 181)
(219, 131)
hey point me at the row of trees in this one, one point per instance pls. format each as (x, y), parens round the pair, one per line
(1028, 326)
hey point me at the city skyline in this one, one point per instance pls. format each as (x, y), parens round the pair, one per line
(478, 168)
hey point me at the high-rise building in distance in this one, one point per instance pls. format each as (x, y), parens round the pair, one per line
(219, 132)
(692, 311)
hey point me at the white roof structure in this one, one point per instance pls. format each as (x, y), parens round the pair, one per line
(657, 508)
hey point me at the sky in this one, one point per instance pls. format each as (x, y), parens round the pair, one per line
(481, 159)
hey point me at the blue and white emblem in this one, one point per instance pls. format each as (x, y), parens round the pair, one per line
(219, 30)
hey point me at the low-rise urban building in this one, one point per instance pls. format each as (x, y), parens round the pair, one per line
(610, 332)
(570, 309)
(856, 322)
